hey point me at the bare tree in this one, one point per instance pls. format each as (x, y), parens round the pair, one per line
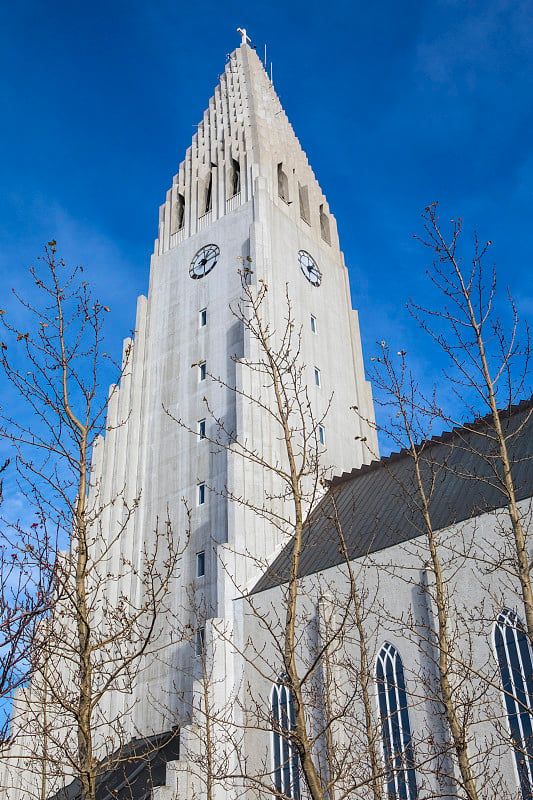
(24, 598)
(487, 368)
(489, 363)
(314, 660)
(297, 477)
(409, 431)
(104, 620)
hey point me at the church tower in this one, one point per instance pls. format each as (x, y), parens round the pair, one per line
(244, 200)
(244, 194)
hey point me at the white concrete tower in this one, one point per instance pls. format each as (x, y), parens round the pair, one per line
(245, 189)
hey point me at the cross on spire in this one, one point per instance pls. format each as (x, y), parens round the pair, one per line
(245, 39)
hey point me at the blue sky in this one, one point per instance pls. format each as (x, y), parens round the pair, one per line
(396, 104)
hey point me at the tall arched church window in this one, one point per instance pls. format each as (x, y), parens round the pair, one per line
(513, 652)
(285, 761)
(400, 775)
(283, 184)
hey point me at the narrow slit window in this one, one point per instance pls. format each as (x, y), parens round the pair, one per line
(248, 271)
(324, 225)
(209, 194)
(202, 371)
(201, 428)
(317, 376)
(200, 641)
(283, 184)
(203, 317)
(321, 435)
(201, 494)
(200, 564)
(303, 194)
(180, 212)
(313, 324)
(235, 177)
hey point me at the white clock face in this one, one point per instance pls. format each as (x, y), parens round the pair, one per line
(204, 261)
(309, 268)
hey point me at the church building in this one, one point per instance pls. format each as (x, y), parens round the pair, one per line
(303, 584)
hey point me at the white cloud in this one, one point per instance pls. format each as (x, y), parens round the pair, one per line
(464, 44)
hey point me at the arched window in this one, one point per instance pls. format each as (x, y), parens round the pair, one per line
(400, 773)
(513, 652)
(284, 754)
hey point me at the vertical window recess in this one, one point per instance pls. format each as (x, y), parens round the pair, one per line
(201, 494)
(283, 184)
(324, 225)
(200, 564)
(201, 428)
(203, 317)
(313, 324)
(209, 194)
(321, 434)
(303, 195)
(180, 212)
(200, 641)
(513, 652)
(317, 376)
(400, 775)
(285, 762)
(235, 177)
(202, 371)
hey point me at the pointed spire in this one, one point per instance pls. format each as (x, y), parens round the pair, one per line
(244, 134)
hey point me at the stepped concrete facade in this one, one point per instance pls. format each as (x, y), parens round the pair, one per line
(195, 436)
(244, 201)
(246, 190)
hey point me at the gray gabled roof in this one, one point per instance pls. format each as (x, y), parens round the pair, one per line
(377, 506)
(133, 771)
